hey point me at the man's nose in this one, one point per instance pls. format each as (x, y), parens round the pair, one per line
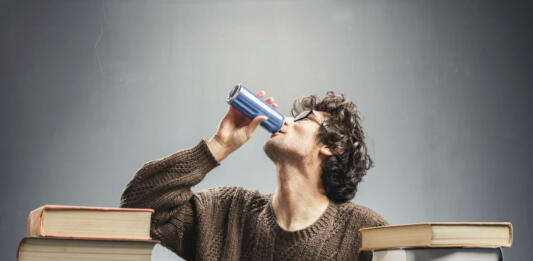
(289, 120)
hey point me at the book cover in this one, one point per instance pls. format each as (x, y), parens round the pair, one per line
(68, 249)
(438, 234)
(90, 222)
(439, 254)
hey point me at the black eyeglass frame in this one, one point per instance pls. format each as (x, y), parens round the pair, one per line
(304, 114)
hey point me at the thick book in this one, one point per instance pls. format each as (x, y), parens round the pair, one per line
(68, 249)
(439, 254)
(441, 234)
(90, 222)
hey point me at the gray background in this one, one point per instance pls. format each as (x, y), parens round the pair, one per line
(90, 90)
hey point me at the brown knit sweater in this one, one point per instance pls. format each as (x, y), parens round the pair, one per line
(232, 223)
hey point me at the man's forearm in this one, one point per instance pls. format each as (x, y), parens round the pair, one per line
(167, 177)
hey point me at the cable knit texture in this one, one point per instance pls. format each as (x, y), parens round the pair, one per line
(232, 223)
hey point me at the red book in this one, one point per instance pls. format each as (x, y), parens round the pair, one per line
(81, 222)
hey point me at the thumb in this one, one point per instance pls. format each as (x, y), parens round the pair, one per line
(254, 124)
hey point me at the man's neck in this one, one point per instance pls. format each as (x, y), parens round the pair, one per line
(299, 199)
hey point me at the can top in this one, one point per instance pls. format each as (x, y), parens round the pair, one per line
(234, 93)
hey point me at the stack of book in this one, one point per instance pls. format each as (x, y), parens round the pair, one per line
(63, 233)
(444, 241)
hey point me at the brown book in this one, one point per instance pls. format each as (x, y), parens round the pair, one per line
(438, 234)
(68, 249)
(90, 222)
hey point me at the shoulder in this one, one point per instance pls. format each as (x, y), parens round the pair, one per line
(360, 215)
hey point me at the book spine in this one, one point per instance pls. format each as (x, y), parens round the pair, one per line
(35, 222)
(18, 248)
(511, 232)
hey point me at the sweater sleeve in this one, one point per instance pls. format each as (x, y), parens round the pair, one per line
(165, 186)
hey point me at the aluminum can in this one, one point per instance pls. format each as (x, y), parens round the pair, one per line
(252, 106)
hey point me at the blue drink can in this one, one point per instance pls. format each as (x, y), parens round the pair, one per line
(252, 106)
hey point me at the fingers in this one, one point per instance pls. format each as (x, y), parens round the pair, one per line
(254, 124)
(270, 101)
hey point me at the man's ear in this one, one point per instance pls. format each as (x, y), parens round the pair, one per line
(326, 151)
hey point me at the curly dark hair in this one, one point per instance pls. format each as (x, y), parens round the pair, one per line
(342, 171)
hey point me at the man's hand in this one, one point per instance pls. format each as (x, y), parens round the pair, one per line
(234, 130)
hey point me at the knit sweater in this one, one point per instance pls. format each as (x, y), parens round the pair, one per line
(232, 223)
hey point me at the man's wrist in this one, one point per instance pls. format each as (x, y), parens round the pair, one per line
(218, 149)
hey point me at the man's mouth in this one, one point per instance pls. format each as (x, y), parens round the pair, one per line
(276, 134)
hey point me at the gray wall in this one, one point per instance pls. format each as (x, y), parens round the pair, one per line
(90, 90)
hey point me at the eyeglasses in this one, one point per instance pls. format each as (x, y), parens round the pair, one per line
(305, 114)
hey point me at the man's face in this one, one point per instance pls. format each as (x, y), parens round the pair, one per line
(297, 140)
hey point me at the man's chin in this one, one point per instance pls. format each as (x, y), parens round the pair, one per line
(271, 148)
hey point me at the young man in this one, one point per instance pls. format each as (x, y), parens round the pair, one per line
(320, 156)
